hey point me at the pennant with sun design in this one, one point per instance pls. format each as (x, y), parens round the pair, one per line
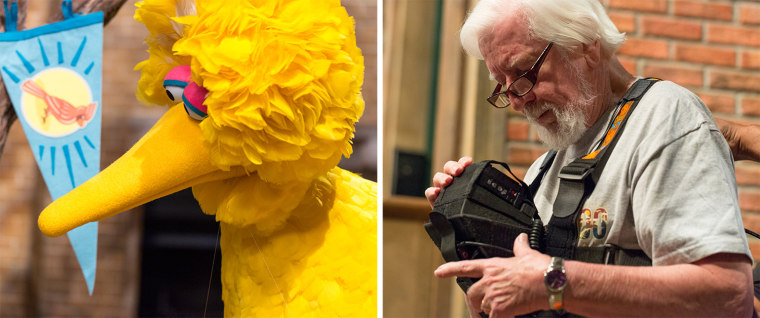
(53, 77)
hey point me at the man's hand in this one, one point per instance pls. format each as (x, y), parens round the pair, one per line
(741, 138)
(507, 286)
(443, 179)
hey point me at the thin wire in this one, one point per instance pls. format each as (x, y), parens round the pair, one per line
(284, 302)
(213, 262)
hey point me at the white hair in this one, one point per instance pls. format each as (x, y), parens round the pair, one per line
(567, 23)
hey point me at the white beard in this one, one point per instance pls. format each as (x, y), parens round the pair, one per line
(571, 124)
(571, 119)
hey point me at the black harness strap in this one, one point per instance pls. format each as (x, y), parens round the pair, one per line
(577, 181)
(542, 172)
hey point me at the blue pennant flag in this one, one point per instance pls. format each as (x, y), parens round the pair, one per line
(53, 77)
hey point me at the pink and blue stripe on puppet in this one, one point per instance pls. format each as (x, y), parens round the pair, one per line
(178, 82)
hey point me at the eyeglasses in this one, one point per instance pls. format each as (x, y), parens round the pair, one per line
(521, 86)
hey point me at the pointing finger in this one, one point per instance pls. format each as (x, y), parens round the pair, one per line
(469, 268)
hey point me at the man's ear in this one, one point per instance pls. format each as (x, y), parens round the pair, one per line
(592, 53)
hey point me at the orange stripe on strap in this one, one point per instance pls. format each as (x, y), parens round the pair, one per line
(612, 131)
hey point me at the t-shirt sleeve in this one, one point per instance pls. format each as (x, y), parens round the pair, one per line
(683, 196)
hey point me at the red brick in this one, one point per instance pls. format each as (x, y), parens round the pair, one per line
(718, 102)
(748, 174)
(705, 10)
(672, 28)
(629, 65)
(523, 155)
(625, 22)
(749, 14)
(683, 75)
(518, 130)
(750, 59)
(645, 48)
(754, 248)
(752, 222)
(705, 54)
(660, 6)
(730, 34)
(736, 80)
(749, 200)
(750, 106)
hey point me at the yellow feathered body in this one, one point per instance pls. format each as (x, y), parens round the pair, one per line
(298, 235)
(320, 263)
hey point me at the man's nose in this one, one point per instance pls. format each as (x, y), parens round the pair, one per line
(519, 102)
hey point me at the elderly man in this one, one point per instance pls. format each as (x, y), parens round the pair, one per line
(668, 188)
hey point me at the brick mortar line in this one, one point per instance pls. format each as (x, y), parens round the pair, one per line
(676, 18)
(736, 12)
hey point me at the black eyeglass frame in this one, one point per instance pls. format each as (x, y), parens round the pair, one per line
(531, 75)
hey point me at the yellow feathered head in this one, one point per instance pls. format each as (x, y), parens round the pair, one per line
(282, 85)
(283, 77)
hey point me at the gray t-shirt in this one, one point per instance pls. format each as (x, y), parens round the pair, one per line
(668, 188)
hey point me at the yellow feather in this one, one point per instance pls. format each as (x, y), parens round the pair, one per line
(288, 64)
(157, 16)
(323, 257)
(284, 78)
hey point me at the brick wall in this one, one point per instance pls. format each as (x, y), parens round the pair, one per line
(710, 47)
(39, 276)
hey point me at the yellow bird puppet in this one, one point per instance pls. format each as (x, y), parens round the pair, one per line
(263, 98)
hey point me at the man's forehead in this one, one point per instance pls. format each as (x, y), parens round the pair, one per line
(512, 54)
(524, 55)
(509, 43)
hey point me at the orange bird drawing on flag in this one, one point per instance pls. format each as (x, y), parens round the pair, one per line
(61, 109)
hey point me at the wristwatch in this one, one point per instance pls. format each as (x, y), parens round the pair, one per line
(555, 281)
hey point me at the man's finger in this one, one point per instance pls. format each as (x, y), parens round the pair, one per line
(474, 309)
(470, 268)
(474, 313)
(441, 180)
(521, 245)
(453, 168)
(431, 194)
(475, 299)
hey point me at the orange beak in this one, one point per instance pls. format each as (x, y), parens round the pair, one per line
(169, 158)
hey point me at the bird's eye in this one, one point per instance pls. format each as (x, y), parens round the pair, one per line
(179, 85)
(174, 92)
(176, 81)
(193, 98)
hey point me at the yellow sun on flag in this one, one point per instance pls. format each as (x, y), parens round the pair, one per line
(57, 102)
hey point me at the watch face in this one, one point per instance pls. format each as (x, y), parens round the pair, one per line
(555, 279)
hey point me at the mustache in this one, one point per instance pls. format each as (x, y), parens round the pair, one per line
(532, 113)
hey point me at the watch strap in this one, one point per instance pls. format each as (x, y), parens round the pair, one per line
(555, 302)
(556, 267)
